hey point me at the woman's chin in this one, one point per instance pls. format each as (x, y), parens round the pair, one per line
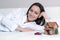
(30, 20)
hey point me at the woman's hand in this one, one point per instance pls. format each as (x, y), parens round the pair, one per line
(44, 14)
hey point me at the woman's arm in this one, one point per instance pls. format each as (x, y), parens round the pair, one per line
(24, 29)
(11, 25)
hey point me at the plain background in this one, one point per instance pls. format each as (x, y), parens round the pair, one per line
(27, 3)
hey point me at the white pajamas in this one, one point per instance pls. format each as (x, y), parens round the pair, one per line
(12, 21)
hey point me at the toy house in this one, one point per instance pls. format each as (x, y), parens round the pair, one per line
(51, 28)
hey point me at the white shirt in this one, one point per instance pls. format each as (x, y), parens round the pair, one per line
(12, 21)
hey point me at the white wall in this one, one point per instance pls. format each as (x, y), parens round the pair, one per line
(26, 3)
(53, 11)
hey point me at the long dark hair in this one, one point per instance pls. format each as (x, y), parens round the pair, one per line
(41, 20)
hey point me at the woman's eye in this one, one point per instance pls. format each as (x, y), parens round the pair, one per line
(36, 13)
(31, 10)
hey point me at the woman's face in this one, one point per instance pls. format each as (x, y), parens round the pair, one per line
(33, 13)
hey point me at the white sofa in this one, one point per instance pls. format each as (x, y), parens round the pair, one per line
(52, 12)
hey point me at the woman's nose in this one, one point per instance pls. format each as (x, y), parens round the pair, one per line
(33, 12)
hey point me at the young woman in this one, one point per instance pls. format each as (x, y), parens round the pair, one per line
(32, 21)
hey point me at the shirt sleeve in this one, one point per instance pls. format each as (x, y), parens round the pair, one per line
(39, 28)
(8, 23)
